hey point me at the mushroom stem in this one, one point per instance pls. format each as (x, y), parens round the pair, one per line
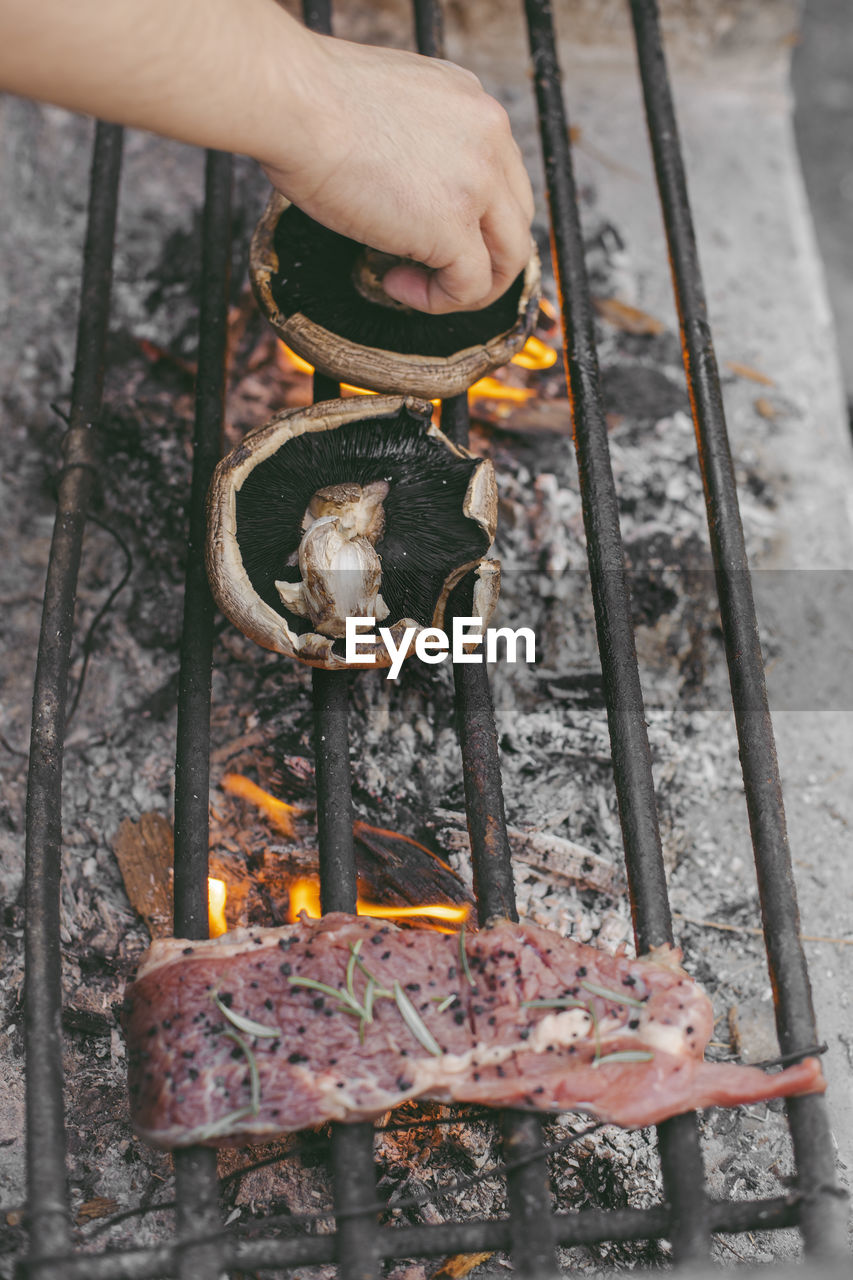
(340, 569)
(368, 272)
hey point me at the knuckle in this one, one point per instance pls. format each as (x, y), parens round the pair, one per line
(496, 121)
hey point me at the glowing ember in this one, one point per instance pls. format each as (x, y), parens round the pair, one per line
(216, 896)
(280, 814)
(305, 896)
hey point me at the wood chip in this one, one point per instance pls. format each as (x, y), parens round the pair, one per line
(734, 1031)
(765, 408)
(627, 318)
(459, 1265)
(144, 851)
(559, 858)
(100, 1207)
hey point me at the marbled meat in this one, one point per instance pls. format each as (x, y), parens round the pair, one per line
(266, 1031)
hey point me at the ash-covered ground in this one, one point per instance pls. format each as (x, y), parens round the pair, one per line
(406, 764)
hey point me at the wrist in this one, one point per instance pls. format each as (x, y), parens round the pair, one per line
(291, 86)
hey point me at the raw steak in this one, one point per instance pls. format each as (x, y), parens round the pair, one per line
(264, 1031)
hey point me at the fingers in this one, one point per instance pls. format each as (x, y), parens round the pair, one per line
(462, 285)
(481, 271)
(484, 258)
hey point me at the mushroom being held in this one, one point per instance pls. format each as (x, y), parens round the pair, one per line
(323, 295)
(350, 508)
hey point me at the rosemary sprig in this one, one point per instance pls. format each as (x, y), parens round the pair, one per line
(250, 1027)
(222, 1125)
(348, 1002)
(624, 1055)
(463, 958)
(606, 994)
(558, 1002)
(369, 997)
(380, 990)
(415, 1022)
(596, 1033)
(444, 1003)
(254, 1075)
(353, 956)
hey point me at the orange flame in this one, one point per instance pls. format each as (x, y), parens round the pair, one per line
(216, 896)
(305, 896)
(494, 389)
(291, 360)
(535, 354)
(279, 813)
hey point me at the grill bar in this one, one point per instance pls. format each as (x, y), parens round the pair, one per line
(681, 1158)
(353, 1173)
(202, 1246)
(590, 1226)
(354, 1177)
(824, 1218)
(47, 1189)
(196, 1186)
(528, 1192)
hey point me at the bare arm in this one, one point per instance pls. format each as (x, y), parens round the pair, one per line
(404, 153)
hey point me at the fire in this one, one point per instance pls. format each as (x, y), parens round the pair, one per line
(535, 354)
(305, 896)
(493, 389)
(296, 362)
(291, 360)
(279, 813)
(216, 896)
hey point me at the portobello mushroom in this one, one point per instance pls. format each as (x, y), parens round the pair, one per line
(323, 295)
(349, 508)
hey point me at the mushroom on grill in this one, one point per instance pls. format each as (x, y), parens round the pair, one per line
(349, 508)
(323, 295)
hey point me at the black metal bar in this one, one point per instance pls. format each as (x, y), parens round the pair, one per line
(484, 802)
(528, 1189)
(429, 28)
(317, 14)
(354, 1175)
(192, 766)
(823, 1223)
(456, 418)
(197, 1190)
(680, 1156)
(590, 1226)
(333, 778)
(47, 1189)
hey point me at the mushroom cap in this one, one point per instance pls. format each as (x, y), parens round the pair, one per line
(440, 513)
(304, 277)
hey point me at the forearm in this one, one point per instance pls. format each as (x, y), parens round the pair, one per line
(230, 74)
(406, 154)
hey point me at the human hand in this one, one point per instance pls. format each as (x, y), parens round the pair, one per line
(410, 156)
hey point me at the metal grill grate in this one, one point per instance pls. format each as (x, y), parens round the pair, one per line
(201, 1246)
